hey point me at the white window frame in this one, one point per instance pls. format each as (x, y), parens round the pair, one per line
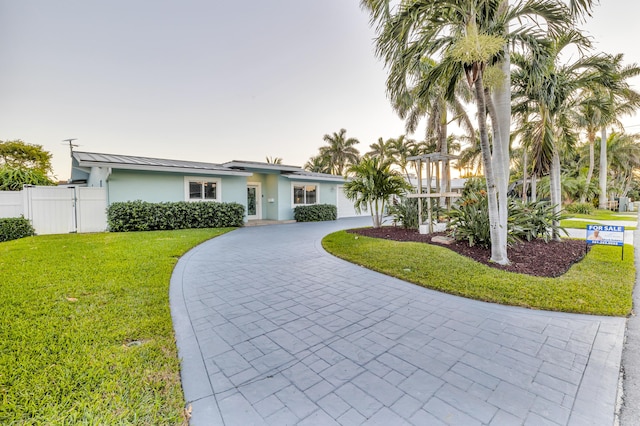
(202, 179)
(293, 195)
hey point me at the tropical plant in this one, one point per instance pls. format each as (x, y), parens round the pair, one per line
(546, 92)
(468, 37)
(274, 160)
(318, 164)
(340, 151)
(372, 186)
(14, 179)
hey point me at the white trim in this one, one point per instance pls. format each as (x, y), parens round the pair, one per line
(217, 181)
(294, 184)
(258, 215)
(171, 169)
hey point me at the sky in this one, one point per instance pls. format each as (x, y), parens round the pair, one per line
(209, 80)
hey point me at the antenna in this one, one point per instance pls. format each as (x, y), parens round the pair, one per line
(71, 145)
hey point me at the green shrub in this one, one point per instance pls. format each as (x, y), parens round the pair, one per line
(580, 208)
(144, 216)
(469, 220)
(405, 211)
(315, 213)
(12, 228)
(532, 220)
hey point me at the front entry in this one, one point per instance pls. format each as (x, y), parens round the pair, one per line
(254, 201)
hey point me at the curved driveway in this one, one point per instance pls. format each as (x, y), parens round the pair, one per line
(273, 330)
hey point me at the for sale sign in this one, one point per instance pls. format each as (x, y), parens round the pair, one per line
(605, 234)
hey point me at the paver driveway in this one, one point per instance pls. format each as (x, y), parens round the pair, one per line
(273, 330)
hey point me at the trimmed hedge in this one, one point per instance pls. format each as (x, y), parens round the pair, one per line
(145, 216)
(12, 228)
(315, 213)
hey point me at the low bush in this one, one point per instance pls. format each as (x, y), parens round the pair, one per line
(12, 228)
(144, 216)
(315, 213)
(580, 208)
(469, 220)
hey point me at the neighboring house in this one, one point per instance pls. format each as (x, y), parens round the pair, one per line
(268, 191)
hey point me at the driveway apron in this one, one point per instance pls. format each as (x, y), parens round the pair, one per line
(273, 330)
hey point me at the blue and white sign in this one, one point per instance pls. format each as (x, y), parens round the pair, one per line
(605, 234)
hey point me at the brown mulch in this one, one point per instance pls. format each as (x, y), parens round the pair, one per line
(535, 257)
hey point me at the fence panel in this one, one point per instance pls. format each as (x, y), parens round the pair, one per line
(92, 209)
(51, 209)
(11, 203)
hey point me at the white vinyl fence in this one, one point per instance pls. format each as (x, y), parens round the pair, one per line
(58, 209)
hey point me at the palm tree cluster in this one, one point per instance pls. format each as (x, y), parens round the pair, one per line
(533, 78)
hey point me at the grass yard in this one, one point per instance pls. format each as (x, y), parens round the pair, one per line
(600, 284)
(86, 335)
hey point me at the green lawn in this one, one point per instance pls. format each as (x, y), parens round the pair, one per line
(604, 215)
(86, 335)
(600, 284)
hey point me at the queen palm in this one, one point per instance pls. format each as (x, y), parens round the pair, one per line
(468, 36)
(381, 149)
(318, 164)
(624, 158)
(602, 107)
(546, 93)
(340, 152)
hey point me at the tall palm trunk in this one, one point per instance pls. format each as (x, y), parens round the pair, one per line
(498, 253)
(534, 188)
(592, 142)
(555, 189)
(525, 176)
(604, 170)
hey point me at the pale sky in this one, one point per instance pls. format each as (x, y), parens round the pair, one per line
(209, 80)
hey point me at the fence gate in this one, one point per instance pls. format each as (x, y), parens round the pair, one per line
(62, 210)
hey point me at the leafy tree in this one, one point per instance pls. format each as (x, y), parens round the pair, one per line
(20, 155)
(23, 164)
(372, 185)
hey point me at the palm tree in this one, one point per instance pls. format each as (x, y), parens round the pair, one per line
(469, 36)
(340, 152)
(624, 159)
(274, 160)
(381, 149)
(607, 104)
(546, 93)
(318, 164)
(372, 185)
(401, 149)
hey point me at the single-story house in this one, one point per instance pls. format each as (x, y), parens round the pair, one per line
(268, 191)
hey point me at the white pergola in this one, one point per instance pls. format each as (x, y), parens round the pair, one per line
(428, 160)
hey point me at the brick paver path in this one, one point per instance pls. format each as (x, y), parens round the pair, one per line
(273, 330)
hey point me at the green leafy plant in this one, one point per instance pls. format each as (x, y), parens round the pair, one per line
(533, 220)
(469, 220)
(145, 216)
(13, 228)
(315, 213)
(580, 208)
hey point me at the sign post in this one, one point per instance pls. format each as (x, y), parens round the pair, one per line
(606, 235)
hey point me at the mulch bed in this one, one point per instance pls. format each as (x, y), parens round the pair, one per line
(535, 257)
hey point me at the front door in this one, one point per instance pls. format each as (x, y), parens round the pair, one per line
(254, 202)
